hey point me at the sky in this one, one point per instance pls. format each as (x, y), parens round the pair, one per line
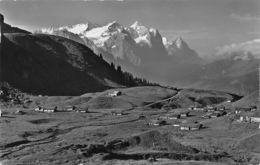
(205, 25)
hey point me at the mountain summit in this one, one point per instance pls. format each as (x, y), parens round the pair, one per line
(181, 51)
(180, 43)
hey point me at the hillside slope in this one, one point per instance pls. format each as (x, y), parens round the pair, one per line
(11, 29)
(51, 65)
(251, 99)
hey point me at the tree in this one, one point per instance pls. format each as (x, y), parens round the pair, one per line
(119, 69)
(112, 65)
(100, 56)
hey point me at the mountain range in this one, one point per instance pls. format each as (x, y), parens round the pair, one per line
(137, 48)
(130, 44)
(143, 51)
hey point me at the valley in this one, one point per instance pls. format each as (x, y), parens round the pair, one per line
(128, 128)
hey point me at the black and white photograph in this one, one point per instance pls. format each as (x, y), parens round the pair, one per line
(129, 82)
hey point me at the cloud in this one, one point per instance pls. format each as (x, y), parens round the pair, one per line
(245, 18)
(243, 49)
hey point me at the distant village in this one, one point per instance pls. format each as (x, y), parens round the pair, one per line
(179, 118)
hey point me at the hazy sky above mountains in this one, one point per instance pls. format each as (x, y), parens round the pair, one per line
(204, 24)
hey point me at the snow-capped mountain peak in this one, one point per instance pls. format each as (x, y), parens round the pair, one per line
(153, 31)
(136, 24)
(139, 28)
(80, 28)
(114, 25)
(143, 34)
(180, 43)
(123, 42)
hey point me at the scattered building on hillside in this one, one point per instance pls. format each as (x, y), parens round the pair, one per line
(38, 109)
(191, 126)
(249, 117)
(117, 113)
(210, 108)
(214, 114)
(175, 123)
(184, 114)
(81, 110)
(71, 108)
(255, 119)
(115, 93)
(157, 122)
(253, 108)
(184, 128)
(77, 109)
(174, 116)
(218, 114)
(221, 108)
(196, 127)
(207, 115)
(241, 119)
(1, 92)
(19, 112)
(47, 110)
(244, 119)
(171, 116)
(244, 109)
(237, 111)
(163, 117)
(50, 109)
(197, 108)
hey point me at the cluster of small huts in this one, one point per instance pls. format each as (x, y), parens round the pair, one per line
(118, 113)
(46, 110)
(247, 115)
(55, 109)
(114, 93)
(247, 109)
(209, 108)
(181, 126)
(172, 119)
(176, 115)
(211, 111)
(76, 109)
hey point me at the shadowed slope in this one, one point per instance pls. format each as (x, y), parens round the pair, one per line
(44, 64)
